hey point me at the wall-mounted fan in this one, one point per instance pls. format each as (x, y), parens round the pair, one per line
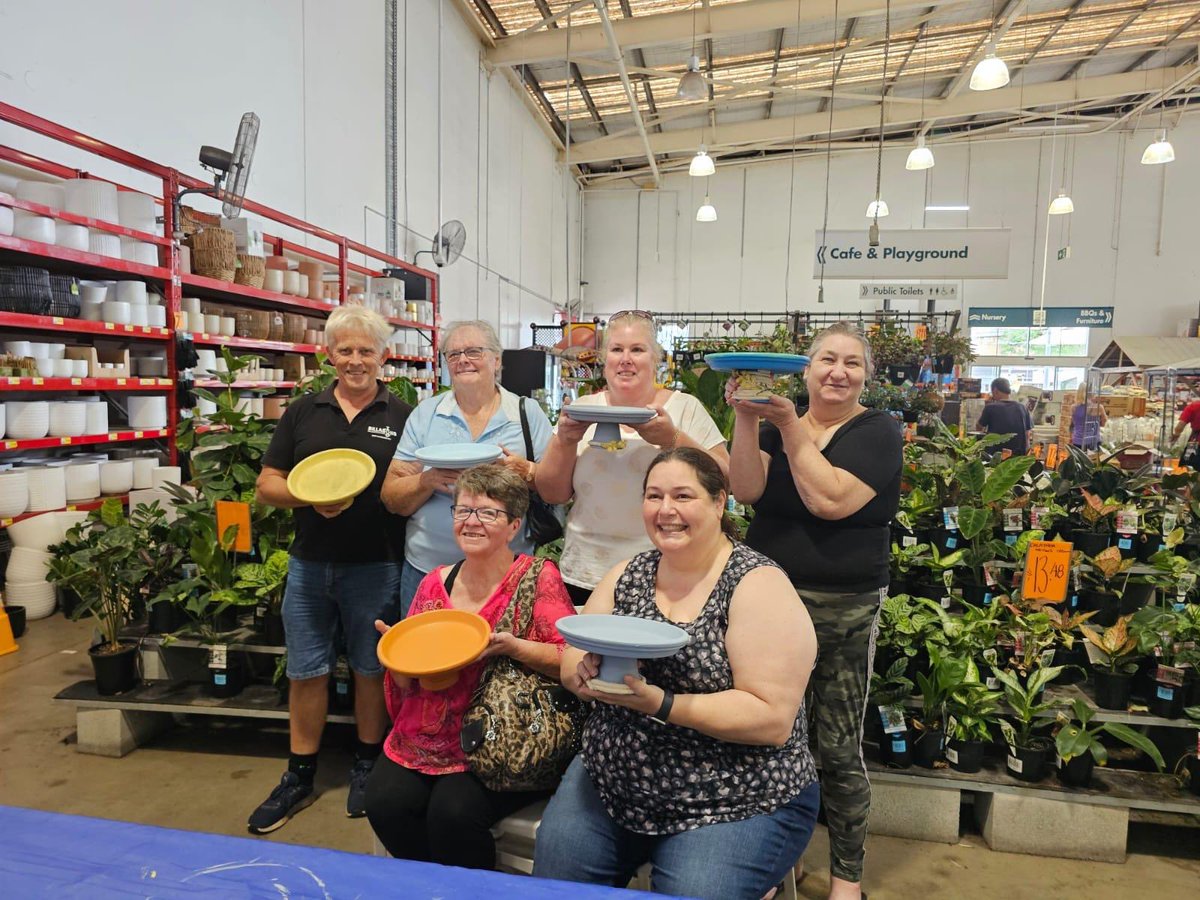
(231, 171)
(448, 243)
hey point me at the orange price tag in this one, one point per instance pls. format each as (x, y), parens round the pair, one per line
(921, 332)
(64, 441)
(57, 320)
(76, 381)
(109, 326)
(39, 381)
(231, 513)
(10, 445)
(137, 434)
(120, 381)
(1052, 456)
(14, 381)
(1047, 568)
(6, 522)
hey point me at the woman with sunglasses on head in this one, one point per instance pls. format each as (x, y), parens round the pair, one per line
(422, 800)
(476, 410)
(603, 525)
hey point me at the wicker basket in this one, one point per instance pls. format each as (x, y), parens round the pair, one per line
(214, 253)
(275, 332)
(253, 323)
(251, 271)
(193, 221)
(294, 326)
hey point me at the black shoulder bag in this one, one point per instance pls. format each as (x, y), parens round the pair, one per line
(544, 525)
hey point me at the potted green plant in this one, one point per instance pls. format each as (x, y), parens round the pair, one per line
(971, 710)
(887, 693)
(946, 673)
(1104, 580)
(907, 629)
(1118, 654)
(906, 563)
(1079, 746)
(1161, 635)
(266, 581)
(1028, 752)
(949, 348)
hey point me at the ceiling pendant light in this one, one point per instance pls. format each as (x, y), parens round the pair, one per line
(707, 212)
(702, 164)
(1062, 205)
(990, 73)
(692, 85)
(1159, 152)
(919, 157)
(877, 209)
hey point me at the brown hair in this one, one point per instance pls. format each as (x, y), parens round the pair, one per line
(708, 473)
(496, 482)
(847, 330)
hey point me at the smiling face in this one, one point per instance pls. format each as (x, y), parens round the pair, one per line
(474, 534)
(357, 359)
(463, 344)
(837, 372)
(629, 362)
(678, 513)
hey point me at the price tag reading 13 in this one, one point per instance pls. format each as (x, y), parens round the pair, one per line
(1047, 568)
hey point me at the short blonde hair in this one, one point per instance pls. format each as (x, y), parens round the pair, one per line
(351, 319)
(845, 329)
(629, 318)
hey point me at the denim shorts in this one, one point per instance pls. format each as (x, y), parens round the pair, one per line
(322, 600)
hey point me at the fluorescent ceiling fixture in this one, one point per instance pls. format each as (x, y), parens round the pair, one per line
(702, 164)
(990, 73)
(1062, 205)
(1047, 128)
(707, 212)
(947, 208)
(919, 157)
(877, 209)
(1159, 152)
(692, 85)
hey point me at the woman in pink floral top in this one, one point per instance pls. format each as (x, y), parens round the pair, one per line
(422, 800)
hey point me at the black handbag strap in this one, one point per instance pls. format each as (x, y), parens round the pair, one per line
(525, 431)
(453, 574)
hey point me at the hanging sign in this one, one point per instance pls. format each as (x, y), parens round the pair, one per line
(895, 291)
(231, 513)
(1026, 317)
(1047, 568)
(913, 253)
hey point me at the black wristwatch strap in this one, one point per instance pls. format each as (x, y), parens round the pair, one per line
(664, 711)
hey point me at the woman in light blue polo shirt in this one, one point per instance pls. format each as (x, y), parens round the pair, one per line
(475, 410)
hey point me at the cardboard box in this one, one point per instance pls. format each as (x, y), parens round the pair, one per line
(99, 354)
(248, 233)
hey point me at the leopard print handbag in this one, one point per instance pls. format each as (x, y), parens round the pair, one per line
(522, 728)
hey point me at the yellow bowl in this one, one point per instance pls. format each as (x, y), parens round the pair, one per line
(433, 646)
(331, 476)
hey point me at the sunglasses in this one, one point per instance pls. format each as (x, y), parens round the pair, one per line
(634, 313)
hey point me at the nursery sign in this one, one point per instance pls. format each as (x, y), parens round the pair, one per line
(913, 253)
(1024, 317)
(1047, 568)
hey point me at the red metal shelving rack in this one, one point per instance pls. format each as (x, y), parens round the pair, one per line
(85, 384)
(29, 322)
(78, 506)
(112, 437)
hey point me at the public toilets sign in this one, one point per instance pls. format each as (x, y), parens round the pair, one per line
(924, 253)
(1056, 317)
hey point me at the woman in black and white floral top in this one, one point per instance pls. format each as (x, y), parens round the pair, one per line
(704, 769)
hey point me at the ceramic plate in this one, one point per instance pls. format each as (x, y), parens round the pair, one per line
(779, 363)
(331, 476)
(621, 415)
(458, 456)
(434, 645)
(626, 636)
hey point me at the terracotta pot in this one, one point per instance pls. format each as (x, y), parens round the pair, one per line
(277, 262)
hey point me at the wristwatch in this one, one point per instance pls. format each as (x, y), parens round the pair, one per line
(664, 711)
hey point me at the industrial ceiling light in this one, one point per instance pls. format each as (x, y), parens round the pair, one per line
(702, 164)
(1062, 205)
(692, 85)
(920, 157)
(1159, 152)
(990, 73)
(877, 209)
(707, 212)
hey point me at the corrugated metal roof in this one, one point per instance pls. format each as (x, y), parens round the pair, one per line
(1148, 351)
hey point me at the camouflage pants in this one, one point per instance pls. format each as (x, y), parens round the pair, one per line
(837, 690)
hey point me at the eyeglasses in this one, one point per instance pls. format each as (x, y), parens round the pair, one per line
(474, 354)
(635, 313)
(487, 515)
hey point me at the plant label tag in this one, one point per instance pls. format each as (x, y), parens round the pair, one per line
(1012, 519)
(218, 656)
(1198, 743)
(1127, 521)
(1169, 675)
(343, 688)
(1018, 643)
(945, 601)
(947, 578)
(1046, 570)
(1074, 601)
(1168, 522)
(1179, 606)
(1035, 516)
(1015, 765)
(1187, 581)
(951, 543)
(908, 540)
(1165, 693)
(1047, 658)
(892, 718)
(1044, 481)
(951, 755)
(1125, 543)
(219, 679)
(950, 518)
(993, 683)
(990, 656)
(900, 745)
(989, 579)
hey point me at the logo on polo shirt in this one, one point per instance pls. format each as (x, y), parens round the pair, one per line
(381, 431)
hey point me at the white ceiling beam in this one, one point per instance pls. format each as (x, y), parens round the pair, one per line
(668, 28)
(1010, 99)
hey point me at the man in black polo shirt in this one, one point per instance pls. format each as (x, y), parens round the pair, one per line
(1004, 415)
(345, 561)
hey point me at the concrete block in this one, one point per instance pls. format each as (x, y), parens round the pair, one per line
(115, 732)
(918, 812)
(1042, 827)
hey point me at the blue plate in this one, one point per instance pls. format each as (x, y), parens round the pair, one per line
(621, 641)
(458, 456)
(779, 363)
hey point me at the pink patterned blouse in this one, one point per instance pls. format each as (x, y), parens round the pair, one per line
(426, 724)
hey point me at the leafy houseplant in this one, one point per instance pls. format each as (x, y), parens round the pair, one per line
(946, 674)
(1118, 649)
(887, 693)
(971, 709)
(1027, 751)
(1079, 747)
(1105, 579)
(267, 581)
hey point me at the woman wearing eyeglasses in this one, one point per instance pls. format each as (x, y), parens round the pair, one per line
(604, 524)
(422, 801)
(476, 410)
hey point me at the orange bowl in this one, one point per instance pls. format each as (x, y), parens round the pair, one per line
(433, 646)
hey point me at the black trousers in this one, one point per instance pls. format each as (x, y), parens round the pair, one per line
(445, 819)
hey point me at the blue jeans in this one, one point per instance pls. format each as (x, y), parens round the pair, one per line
(410, 579)
(320, 597)
(579, 841)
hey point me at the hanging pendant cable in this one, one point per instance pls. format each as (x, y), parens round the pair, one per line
(787, 268)
(828, 152)
(887, 45)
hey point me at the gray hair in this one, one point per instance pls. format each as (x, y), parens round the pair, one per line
(629, 318)
(845, 329)
(351, 319)
(491, 340)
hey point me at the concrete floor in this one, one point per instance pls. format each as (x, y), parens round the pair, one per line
(207, 775)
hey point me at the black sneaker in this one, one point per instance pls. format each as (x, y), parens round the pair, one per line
(356, 800)
(291, 796)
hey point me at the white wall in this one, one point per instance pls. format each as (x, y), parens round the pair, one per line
(685, 265)
(162, 78)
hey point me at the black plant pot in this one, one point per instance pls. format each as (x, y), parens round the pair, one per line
(1029, 763)
(272, 629)
(68, 600)
(341, 691)
(1112, 689)
(899, 584)
(932, 590)
(945, 541)
(1090, 542)
(16, 620)
(1193, 770)
(927, 747)
(1076, 772)
(1106, 605)
(1135, 596)
(229, 681)
(1127, 545)
(1166, 700)
(1191, 688)
(895, 750)
(977, 594)
(1076, 660)
(226, 620)
(966, 756)
(1146, 545)
(165, 618)
(1145, 679)
(909, 416)
(943, 364)
(115, 672)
